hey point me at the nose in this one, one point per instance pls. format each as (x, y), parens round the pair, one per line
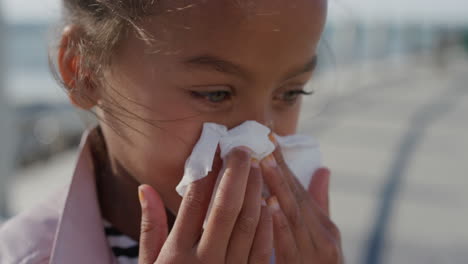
(256, 111)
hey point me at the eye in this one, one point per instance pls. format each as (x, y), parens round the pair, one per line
(214, 96)
(292, 95)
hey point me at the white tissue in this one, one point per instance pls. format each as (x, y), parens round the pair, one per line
(301, 153)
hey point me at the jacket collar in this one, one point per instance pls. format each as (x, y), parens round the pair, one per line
(80, 236)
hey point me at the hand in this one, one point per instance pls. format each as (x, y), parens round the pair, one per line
(303, 231)
(239, 228)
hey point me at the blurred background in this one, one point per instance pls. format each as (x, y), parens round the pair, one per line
(391, 113)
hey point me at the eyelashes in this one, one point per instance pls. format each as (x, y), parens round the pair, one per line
(222, 96)
(218, 97)
(293, 95)
(214, 96)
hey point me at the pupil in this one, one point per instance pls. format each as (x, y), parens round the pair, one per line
(218, 96)
(290, 95)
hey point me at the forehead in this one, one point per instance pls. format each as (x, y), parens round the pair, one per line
(253, 33)
(247, 15)
(245, 8)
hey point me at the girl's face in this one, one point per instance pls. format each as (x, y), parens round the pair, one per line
(211, 61)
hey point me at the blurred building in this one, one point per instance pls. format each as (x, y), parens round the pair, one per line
(363, 30)
(45, 120)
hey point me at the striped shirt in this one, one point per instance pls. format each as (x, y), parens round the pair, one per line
(125, 249)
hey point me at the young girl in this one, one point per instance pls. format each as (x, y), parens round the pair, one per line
(155, 72)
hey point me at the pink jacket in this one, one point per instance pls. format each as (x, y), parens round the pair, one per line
(66, 228)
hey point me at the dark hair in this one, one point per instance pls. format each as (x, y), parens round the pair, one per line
(101, 25)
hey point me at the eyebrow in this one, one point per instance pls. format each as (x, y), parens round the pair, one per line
(308, 67)
(211, 62)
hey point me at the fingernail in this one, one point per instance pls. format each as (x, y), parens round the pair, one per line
(270, 161)
(141, 196)
(273, 139)
(245, 149)
(255, 163)
(273, 204)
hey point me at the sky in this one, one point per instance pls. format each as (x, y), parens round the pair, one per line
(430, 11)
(443, 11)
(23, 11)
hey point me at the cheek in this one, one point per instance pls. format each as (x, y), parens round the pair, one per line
(165, 150)
(286, 122)
(155, 153)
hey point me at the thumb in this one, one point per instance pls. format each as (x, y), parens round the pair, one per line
(319, 189)
(153, 232)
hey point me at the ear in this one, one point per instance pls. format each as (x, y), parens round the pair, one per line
(81, 90)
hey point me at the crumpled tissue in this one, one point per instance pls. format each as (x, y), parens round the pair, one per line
(301, 153)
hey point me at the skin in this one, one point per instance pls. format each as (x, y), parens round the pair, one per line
(252, 57)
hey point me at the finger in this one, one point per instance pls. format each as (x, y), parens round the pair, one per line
(309, 202)
(278, 155)
(153, 231)
(326, 228)
(319, 225)
(319, 189)
(244, 230)
(280, 186)
(319, 183)
(192, 212)
(319, 203)
(286, 250)
(227, 205)
(308, 230)
(314, 213)
(262, 247)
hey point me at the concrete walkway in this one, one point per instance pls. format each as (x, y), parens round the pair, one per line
(398, 150)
